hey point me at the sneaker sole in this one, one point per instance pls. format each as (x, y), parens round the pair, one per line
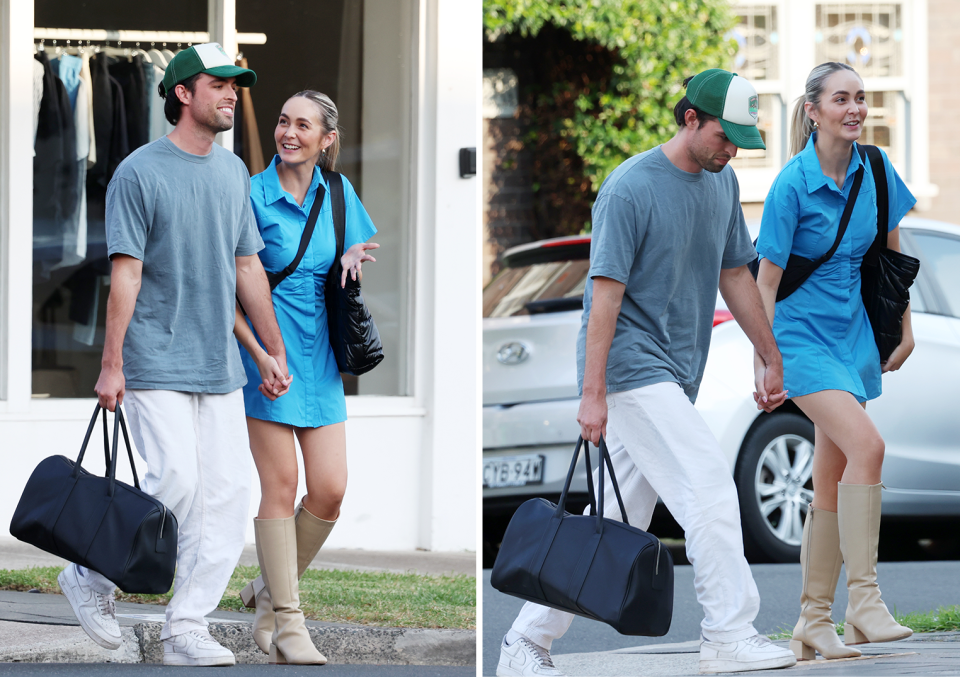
(712, 666)
(91, 632)
(206, 662)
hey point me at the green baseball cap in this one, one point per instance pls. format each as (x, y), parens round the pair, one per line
(207, 58)
(731, 98)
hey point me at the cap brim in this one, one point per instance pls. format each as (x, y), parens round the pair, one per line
(245, 77)
(744, 136)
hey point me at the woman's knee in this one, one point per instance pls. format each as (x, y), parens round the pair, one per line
(280, 490)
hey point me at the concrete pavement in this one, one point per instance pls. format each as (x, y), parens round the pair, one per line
(42, 628)
(926, 654)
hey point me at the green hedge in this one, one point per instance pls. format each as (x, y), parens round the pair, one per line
(656, 44)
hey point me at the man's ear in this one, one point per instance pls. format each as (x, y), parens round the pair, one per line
(182, 94)
(690, 119)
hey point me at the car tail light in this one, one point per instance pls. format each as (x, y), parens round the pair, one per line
(721, 316)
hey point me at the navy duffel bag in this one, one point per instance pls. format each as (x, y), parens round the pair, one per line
(587, 565)
(98, 522)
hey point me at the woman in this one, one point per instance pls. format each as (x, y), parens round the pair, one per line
(831, 364)
(314, 409)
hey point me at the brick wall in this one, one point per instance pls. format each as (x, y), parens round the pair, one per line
(944, 113)
(508, 214)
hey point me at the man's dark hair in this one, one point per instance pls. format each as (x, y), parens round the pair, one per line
(683, 105)
(172, 105)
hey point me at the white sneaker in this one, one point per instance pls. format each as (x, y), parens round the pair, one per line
(523, 657)
(752, 653)
(95, 611)
(196, 648)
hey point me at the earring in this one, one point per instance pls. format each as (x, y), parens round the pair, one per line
(816, 125)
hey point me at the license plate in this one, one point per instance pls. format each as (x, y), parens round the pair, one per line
(513, 471)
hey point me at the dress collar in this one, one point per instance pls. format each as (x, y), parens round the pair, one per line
(273, 191)
(812, 173)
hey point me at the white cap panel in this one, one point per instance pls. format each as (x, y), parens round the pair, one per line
(742, 103)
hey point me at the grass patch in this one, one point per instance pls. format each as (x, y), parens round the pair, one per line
(367, 598)
(944, 619)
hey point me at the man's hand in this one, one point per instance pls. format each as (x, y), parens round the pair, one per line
(275, 381)
(110, 387)
(768, 380)
(592, 417)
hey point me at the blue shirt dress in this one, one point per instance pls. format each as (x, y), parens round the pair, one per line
(316, 396)
(822, 329)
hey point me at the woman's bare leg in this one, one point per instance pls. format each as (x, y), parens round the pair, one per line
(846, 425)
(829, 464)
(275, 456)
(325, 466)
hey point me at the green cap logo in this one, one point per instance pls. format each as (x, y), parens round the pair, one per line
(753, 107)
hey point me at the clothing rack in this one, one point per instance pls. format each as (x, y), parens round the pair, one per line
(171, 37)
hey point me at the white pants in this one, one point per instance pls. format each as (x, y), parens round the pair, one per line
(659, 444)
(198, 465)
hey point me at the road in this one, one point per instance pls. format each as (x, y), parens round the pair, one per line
(115, 670)
(906, 586)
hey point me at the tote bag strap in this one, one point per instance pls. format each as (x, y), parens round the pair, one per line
(845, 219)
(883, 203)
(338, 206)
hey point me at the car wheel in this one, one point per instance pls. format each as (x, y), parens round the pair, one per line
(774, 477)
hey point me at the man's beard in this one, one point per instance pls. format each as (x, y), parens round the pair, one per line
(218, 122)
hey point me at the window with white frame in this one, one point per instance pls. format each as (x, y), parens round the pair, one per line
(869, 37)
(758, 59)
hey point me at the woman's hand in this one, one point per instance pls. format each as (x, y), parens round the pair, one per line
(899, 354)
(353, 258)
(274, 383)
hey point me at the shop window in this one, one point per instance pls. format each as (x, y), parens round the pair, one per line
(867, 36)
(359, 53)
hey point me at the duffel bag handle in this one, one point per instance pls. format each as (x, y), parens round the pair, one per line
(596, 506)
(110, 458)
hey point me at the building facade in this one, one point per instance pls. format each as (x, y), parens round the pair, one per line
(407, 86)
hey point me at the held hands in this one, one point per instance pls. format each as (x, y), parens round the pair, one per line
(768, 379)
(353, 258)
(110, 387)
(275, 380)
(592, 417)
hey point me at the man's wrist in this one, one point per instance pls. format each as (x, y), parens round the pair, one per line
(110, 363)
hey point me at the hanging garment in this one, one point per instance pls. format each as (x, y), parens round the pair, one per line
(251, 148)
(37, 97)
(110, 125)
(67, 68)
(75, 224)
(158, 122)
(55, 194)
(130, 76)
(88, 83)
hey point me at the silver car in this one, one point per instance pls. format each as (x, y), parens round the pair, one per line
(532, 312)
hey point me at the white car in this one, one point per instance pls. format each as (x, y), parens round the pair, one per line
(532, 312)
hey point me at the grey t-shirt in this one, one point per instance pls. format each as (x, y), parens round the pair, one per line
(664, 233)
(186, 217)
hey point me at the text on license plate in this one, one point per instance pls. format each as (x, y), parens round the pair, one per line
(513, 471)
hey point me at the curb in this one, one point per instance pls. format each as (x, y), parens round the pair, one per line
(141, 644)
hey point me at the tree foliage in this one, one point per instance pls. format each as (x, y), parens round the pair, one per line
(614, 96)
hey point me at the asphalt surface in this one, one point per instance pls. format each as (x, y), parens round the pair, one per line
(112, 670)
(906, 587)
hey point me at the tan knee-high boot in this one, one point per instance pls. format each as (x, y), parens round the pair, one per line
(858, 509)
(820, 561)
(277, 552)
(312, 533)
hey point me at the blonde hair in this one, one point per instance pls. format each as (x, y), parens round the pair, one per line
(802, 126)
(329, 117)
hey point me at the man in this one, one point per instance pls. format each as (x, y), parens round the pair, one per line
(665, 235)
(183, 242)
